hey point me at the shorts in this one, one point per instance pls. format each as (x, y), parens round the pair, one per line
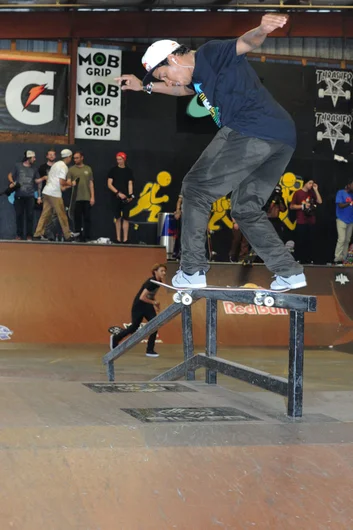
(121, 209)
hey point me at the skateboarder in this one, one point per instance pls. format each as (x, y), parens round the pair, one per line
(144, 306)
(248, 155)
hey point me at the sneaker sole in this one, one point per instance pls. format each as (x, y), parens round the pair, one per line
(152, 355)
(289, 287)
(191, 287)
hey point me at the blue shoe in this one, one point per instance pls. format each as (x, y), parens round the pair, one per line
(192, 281)
(296, 281)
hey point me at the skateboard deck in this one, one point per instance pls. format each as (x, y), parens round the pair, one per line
(261, 295)
(10, 189)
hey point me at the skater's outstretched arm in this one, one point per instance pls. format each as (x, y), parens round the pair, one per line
(131, 82)
(255, 37)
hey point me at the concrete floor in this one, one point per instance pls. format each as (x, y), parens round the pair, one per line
(74, 458)
(323, 369)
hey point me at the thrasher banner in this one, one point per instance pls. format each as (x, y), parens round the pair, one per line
(97, 94)
(333, 110)
(33, 96)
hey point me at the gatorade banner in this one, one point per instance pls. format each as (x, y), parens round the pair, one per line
(33, 94)
(97, 94)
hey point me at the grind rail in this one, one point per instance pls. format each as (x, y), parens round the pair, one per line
(292, 388)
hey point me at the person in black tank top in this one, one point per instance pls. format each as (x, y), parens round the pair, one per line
(144, 306)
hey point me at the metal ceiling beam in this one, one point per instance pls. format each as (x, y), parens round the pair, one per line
(120, 24)
(148, 4)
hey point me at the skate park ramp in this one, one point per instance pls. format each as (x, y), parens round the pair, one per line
(70, 294)
(78, 452)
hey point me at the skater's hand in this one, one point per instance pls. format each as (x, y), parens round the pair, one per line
(315, 187)
(129, 82)
(73, 183)
(121, 195)
(177, 215)
(12, 184)
(39, 200)
(271, 22)
(92, 201)
(157, 305)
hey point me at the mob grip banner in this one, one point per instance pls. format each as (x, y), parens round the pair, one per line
(97, 94)
(33, 96)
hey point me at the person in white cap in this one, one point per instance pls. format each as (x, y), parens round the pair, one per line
(52, 197)
(27, 177)
(248, 155)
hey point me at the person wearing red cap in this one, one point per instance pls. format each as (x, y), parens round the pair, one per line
(120, 183)
(248, 155)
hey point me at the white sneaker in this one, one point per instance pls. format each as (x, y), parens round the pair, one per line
(296, 281)
(192, 281)
(115, 330)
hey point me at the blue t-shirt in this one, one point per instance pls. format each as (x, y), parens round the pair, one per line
(231, 90)
(344, 214)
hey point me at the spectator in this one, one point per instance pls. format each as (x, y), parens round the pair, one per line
(25, 174)
(274, 206)
(120, 183)
(344, 222)
(304, 202)
(85, 195)
(43, 170)
(52, 197)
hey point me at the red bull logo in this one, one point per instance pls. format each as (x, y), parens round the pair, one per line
(230, 308)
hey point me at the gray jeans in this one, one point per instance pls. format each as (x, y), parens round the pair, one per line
(249, 168)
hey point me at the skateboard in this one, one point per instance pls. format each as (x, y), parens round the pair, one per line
(71, 210)
(11, 189)
(184, 295)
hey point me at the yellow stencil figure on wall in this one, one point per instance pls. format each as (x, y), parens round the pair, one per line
(219, 212)
(148, 200)
(290, 184)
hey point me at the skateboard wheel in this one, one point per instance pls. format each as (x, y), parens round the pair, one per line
(269, 301)
(186, 299)
(258, 300)
(177, 298)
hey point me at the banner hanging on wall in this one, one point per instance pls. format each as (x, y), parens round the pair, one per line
(97, 94)
(334, 107)
(33, 95)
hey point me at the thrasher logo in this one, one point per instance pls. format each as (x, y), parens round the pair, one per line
(342, 279)
(5, 333)
(334, 80)
(333, 124)
(34, 93)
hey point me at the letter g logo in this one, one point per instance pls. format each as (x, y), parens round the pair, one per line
(44, 103)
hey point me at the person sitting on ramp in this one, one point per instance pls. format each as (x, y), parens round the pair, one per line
(144, 306)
